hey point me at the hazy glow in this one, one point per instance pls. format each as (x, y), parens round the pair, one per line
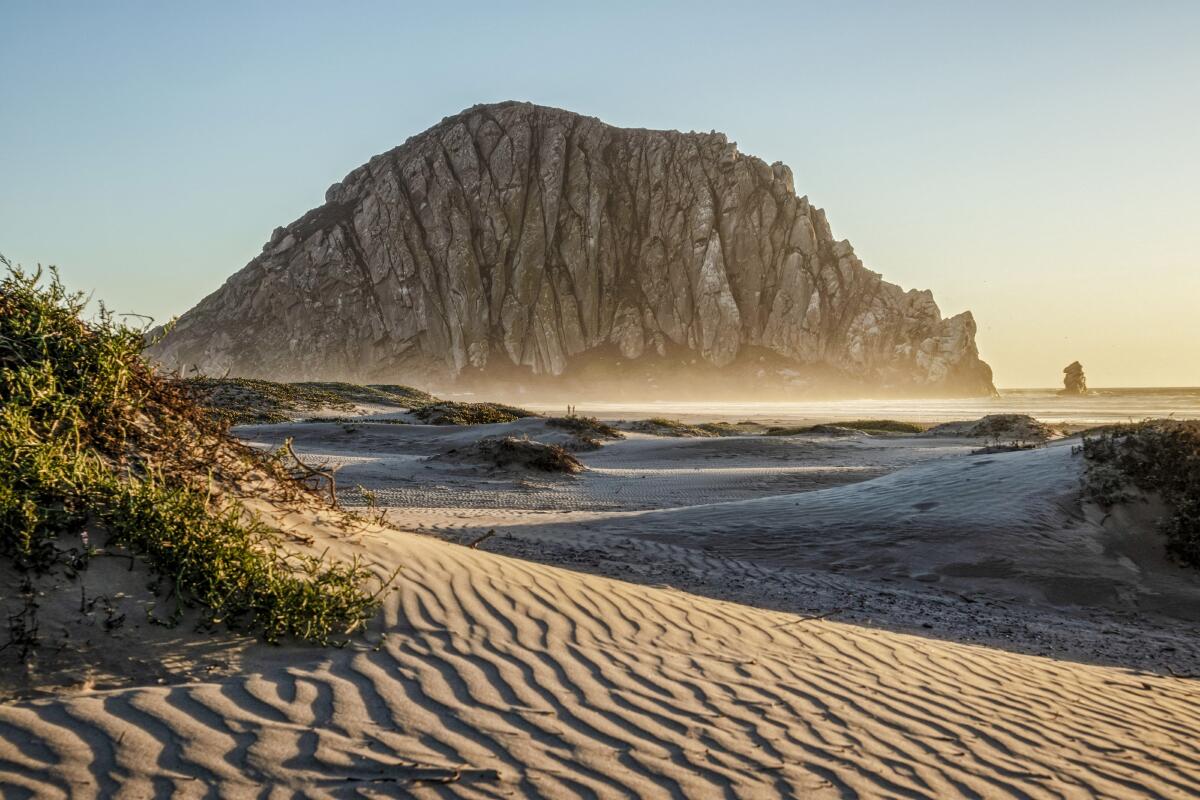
(1035, 163)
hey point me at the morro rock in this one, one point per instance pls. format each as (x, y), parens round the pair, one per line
(535, 246)
(1074, 381)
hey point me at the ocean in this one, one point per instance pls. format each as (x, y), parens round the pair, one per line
(1099, 406)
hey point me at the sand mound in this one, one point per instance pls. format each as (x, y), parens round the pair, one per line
(660, 426)
(1156, 459)
(589, 432)
(513, 454)
(447, 412)
(244, 401)
(1000, 428)
(816, 430)
(1010, 526)
(101, 458)
(870, 427)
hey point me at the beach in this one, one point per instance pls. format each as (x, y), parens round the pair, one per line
(808, 615)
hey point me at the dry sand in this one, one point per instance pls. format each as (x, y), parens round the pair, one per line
(492, 676)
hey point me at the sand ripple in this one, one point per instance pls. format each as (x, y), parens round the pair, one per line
(503, 678)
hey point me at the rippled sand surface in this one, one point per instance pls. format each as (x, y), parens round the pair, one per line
(612, 660)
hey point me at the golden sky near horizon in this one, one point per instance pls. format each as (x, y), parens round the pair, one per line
(1034, 163)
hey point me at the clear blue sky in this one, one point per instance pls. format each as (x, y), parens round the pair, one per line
(1034, 162)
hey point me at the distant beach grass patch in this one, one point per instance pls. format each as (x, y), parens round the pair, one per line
(863, 425)
(448, 412)
(249, 401)
(661, 426)
(92, 438)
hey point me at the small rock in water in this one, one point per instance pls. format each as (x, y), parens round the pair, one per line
(1074, 381)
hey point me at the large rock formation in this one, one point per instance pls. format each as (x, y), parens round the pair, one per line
(533, 244)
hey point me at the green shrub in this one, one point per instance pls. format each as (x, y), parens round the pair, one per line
(1161, 456)
(90, 435)
(447, 412)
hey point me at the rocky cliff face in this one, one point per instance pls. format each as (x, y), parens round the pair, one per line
(531, 242)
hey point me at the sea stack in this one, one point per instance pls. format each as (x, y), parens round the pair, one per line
(514, 244)
(1074, 381)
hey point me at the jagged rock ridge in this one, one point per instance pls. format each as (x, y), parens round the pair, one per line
(520, 237)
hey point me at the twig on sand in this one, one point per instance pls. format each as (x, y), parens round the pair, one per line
(474, 543)
(428, 775)
(825, 615)
(312, 472)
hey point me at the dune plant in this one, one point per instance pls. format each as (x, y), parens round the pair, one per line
(662, 426)
(585, 426)
(249, 401)
(872, 426)
(92, 438)
(1158, 456)
(448, 412)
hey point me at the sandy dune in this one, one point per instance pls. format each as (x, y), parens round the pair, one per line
(641, 472)
(491, 676)
(1007, 524)
(901, 526)
(504, 678)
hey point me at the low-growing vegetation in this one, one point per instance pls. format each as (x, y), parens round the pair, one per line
(510, 452)
(447, 412)
(730, 428)
(1160, 457)
(357, 421)
(588, 426)
(93, 441)
(249, 401)
(1014, 430)
(387, 394)
(661, 426)
(589, 432)
(870, 426)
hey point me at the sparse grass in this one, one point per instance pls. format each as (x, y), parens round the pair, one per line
(368, 420)
(999, 429)
(585, 425)
(249, 401)
(388, 394)
(91, 437)
(874, 426)
(447, 412)
(589, 432)
(1158, 456)
(800, 430)
(722, 428)
(405, 395)
(509, 451)
(661, 426)
(883, 426)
